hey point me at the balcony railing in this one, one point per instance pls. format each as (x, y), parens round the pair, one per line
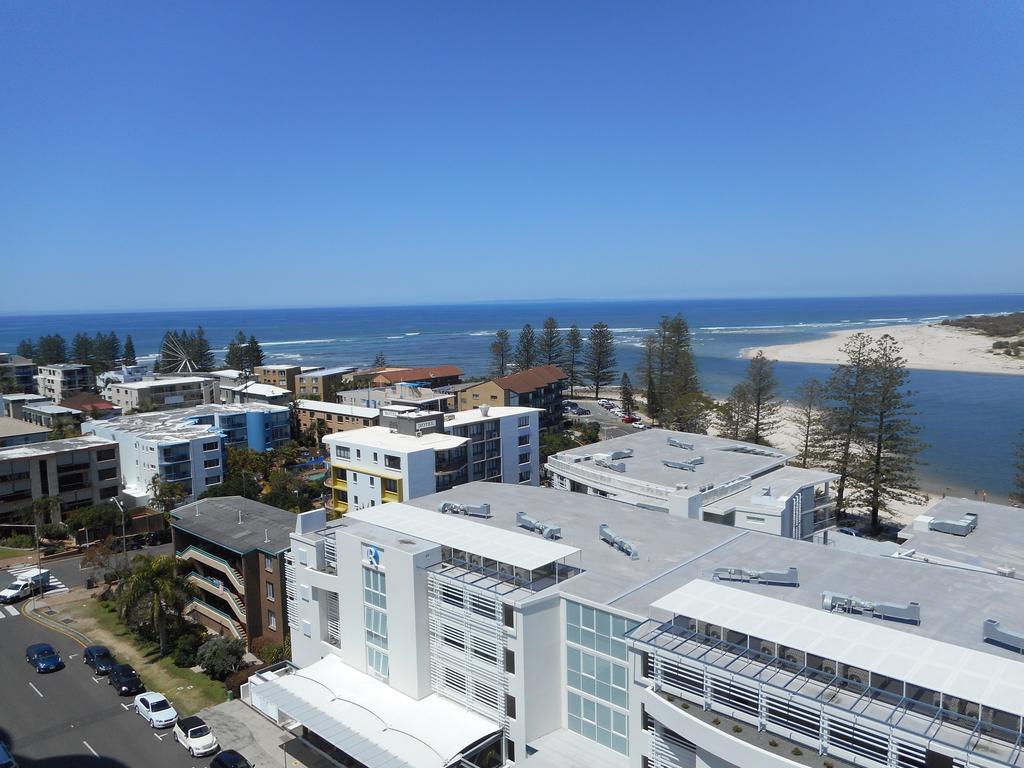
(215, 587)
(834, 714)
(453, 465)
(193, 552)
(199, 606)
(611, 480)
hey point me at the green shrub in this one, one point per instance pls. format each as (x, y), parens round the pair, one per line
(187, 644)
(828, 764)
(57, 531)
(220, 656)
(18, 541)
(797, 751)
(737, 729)
(772, 743)
(233, 682)
(271, 652)
(716, 721)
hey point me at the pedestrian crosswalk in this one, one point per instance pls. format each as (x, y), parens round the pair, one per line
(55, 587)
(7, 611)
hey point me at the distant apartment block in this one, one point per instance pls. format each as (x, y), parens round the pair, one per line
(704, 478)
(314, 384)
(122, 375)
(283, 376)
(254, 392)
(20, 371)
(188, 446)
(161, 393)
(79, 472)
(14, 403)
(51, 416)
(436, 376)
(20, 432)
(423, 398)
(539, 387)
(334, 417)
(230, 549)
(413, 453)
(62, 380)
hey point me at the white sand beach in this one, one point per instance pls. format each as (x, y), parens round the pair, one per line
(929, 347)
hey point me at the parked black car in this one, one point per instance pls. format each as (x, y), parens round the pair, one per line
(99, 658)
(155, 538)
(125, 679)
(229, 758)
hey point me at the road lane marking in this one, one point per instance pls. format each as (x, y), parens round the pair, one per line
(11, 611)
(33, 685)
(125, 706)
(72, 655)
(97, 680)
(94, 752)
(159, 737)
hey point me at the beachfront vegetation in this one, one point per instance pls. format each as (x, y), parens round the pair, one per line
(165, 495)
(244, 354)
(626, 394)
(751, 412)
(128, 353)
(525, 356)
(501, 353)
(869, 434)
(1017, 494)
(674, 395)
(991, 325)
(153, 595)
(600, 361)
(810, 421)
(550, 344)
(571, 361)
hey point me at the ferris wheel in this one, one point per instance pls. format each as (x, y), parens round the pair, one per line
(175, 357)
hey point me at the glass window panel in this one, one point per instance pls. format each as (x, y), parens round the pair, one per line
(573, 659)
(575, 704)
(575, 724)
(589, 662)
(603, 691)
(587, 685)
(589, 710)
(604, 717)
(604, 670)
(618, 676)
(572, 679)
(572, 612)
(587, 617)
(620, 744)
(604, 737)
(620, 698)
(604, 623)
(619, 723)
(603, 645)
(572, 634)
(590, 731)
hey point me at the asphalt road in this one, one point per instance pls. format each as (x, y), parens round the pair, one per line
(66, 719)
(70, 570)
(611, 425)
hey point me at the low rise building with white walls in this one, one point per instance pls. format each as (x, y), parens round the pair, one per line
(159, 394)
(254, 392)
(503, 625)
(733, 483)
(413, 453)
(60, 381)
(188, 446)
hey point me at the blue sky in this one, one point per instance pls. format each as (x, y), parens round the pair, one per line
(197, 154)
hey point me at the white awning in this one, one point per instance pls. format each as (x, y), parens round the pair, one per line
(952, 669)
(519, 549)
(372, 722)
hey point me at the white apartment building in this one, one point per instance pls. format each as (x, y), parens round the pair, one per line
(126, 373)
(704, 478)
(188, 446)
(499, 625)
(162, 393)
(62, 380)
(414, 453)
(254, 392)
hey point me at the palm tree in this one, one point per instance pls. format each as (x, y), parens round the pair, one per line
(153, 591)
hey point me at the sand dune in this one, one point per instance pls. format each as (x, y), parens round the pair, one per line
(929, 347)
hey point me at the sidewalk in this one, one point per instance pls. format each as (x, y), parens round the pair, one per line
(238, 726)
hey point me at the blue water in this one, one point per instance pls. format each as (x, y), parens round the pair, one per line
(970, 421)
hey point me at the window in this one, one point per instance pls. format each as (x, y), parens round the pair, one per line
(377, 662)
(106, 455)
(270, 591)
(374, 457)
(271, 619)
(268, 563)
(510, 706)
(476, 395)
(210, 463)
(510, 750)
(375, 588)
(108, 493)
(373, 481)
(107, 474)
(524, 421)
(508, 616)
(212, 446)
(390, 486)
(524, 458)
(510, 661)
(359, 454)
(392, 462)
(524, 439)
(342, 451)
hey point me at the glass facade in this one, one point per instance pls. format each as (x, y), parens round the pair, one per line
(597, 676)
(375, 622)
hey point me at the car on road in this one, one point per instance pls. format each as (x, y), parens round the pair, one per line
(630, 419)
(44, 657)
(848, 531)
(582, 412)
(34, 581)
(6, 758)
(99, 658)
(156, 538)
(229, 758)
(155, 709)
(125, 680)
(195, 736)
(639, 425)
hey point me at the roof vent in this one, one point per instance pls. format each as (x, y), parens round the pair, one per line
(909, 613)
(469, 510)
(991, 632)
(787, 578)
(960, 527)
(623, 545)
(625, 453)
(1006, 570)
(689, 466)
(484, 409)
(606, 460)
(546, 530)
(677, 443)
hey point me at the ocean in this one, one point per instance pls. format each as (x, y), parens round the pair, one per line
(971, 422)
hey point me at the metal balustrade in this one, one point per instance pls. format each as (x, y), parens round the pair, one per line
(192, 552)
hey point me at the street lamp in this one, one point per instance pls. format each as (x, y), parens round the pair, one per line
(124, 537)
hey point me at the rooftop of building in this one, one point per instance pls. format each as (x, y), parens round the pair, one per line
(385, 439)
(996, 541)
(259, 390)
(87, 401)
(167, 382)
(236, 523)
(11, 359)
(227, 373)
(417, 374)
(65, 366)
(673, 551)
(477, 415)
(341, 409)
(335, 371)
(178, 425)
(49, 447)
(531, 378)
(23, 397)
(51, 409)
(278, 367)
(723, 459)
(16, 427)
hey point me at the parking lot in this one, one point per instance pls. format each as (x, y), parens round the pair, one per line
(611, 425)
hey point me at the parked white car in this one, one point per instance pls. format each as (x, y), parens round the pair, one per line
(195, 736)
(155, 709)
(639, 425)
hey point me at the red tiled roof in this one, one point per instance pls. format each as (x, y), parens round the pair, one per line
(417, 374)
(531, 378)
(86, 401)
